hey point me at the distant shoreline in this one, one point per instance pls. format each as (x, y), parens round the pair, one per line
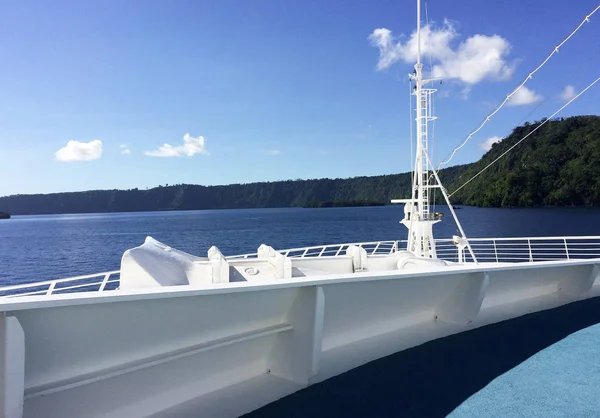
(343, 204)
(441, 206)
(285, 193)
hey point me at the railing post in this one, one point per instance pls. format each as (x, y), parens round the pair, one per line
(376, 247)
(566, 248)
(103, 285)
(530, 253)
(51, 288)
(495, 251)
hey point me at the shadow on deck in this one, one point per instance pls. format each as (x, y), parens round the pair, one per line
(432, 379)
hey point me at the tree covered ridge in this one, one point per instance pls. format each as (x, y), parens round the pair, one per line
(375, 189)
(559, 164)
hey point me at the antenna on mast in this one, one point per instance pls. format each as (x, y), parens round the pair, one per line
(418, 32)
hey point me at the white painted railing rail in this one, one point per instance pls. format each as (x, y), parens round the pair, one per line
(487, 250)
(527, 249)
(372, 248)
(90, 282)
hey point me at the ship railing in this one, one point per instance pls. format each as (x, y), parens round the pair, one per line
(489, 250)
(98, 282)
(499, 250)
(530, 249)
(372, 248)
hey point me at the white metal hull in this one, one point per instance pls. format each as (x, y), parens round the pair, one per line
(235, 347)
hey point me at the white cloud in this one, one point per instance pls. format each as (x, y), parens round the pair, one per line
(191, 146)
(272, 152)
(80, 151)
(487, 144)
(477, 58)
(524, 96)
(125, 149)
(568, 93)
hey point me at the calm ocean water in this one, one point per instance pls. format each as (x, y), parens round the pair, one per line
(34, 248)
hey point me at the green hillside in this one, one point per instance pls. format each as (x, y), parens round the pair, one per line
(316, 193)
(559, 164)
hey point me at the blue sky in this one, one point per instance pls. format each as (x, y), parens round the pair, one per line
(257, 90)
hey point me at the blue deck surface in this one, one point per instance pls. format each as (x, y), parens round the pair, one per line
(562, 380)
(544, 364)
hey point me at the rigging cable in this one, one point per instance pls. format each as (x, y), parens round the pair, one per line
(529, 77)
(525, 137)
(570, 76)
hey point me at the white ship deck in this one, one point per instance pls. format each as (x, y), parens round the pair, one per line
(561, 380)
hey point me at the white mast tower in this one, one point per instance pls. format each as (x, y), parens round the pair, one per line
(417, 215)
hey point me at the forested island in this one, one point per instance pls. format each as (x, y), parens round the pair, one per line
(290, 193)
(559, 164)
